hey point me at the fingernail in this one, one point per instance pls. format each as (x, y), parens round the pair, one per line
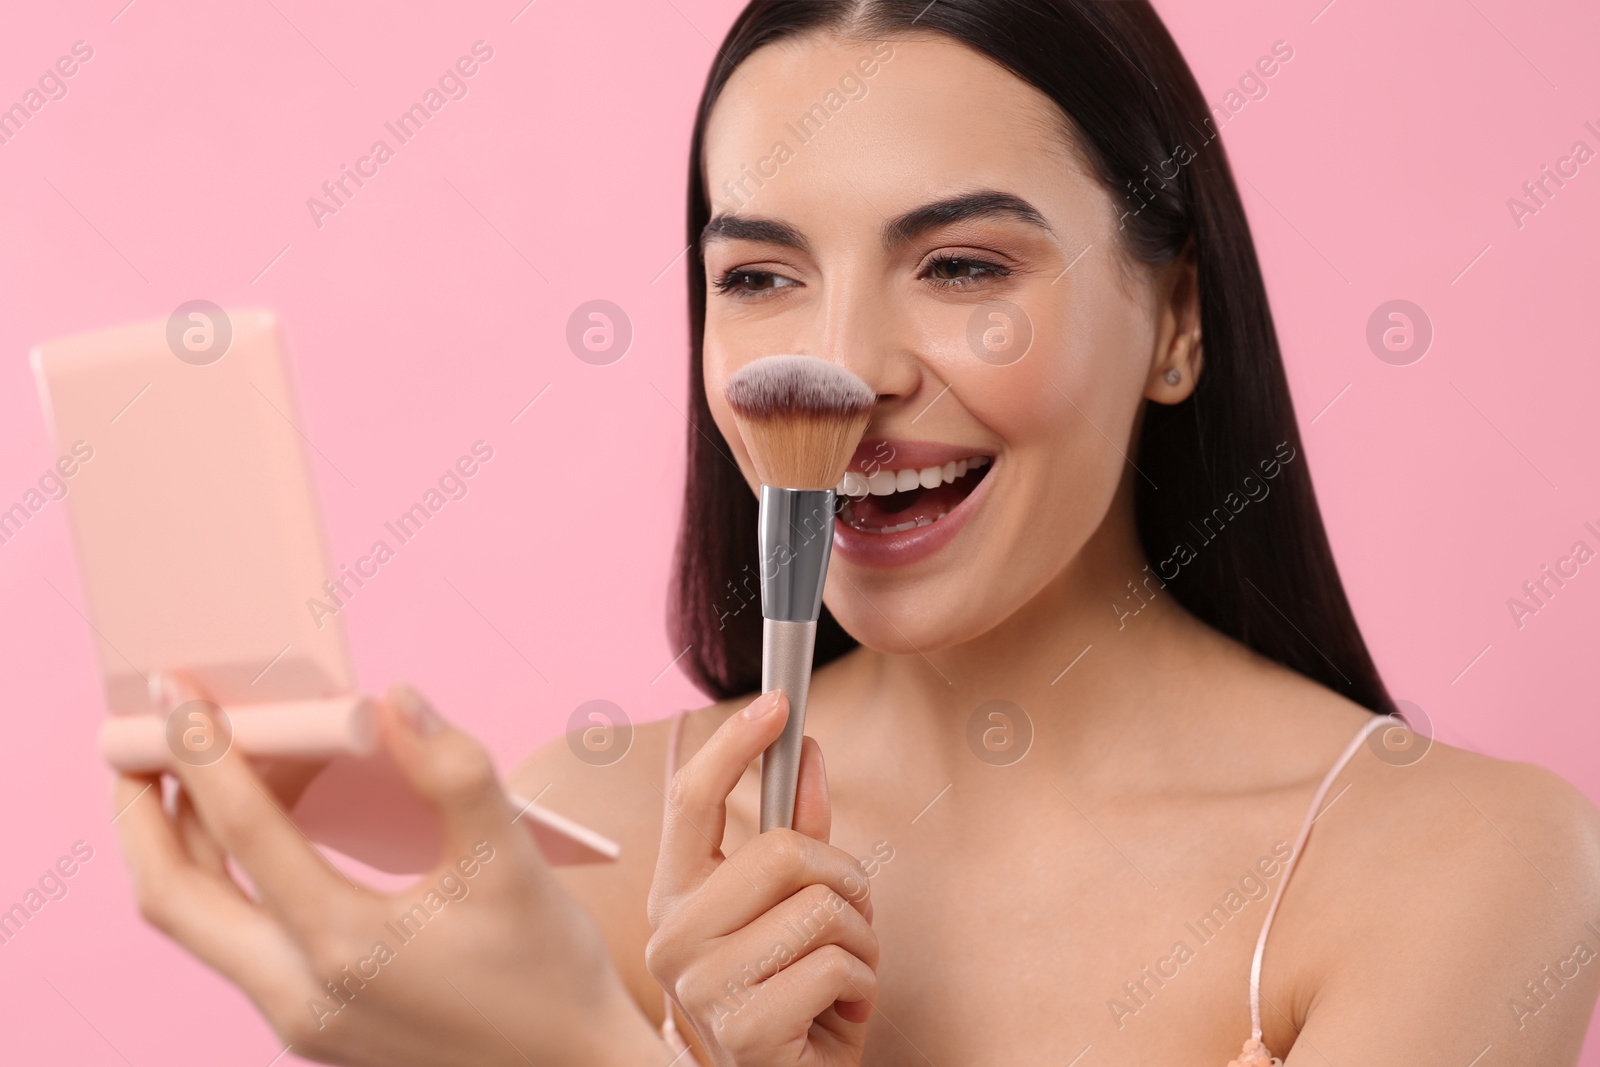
(418, 712)
(868, 913)
(167, 691)
(763, 705)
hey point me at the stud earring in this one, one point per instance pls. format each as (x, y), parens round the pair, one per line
(1174, 376)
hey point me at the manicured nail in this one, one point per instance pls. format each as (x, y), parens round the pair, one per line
(763, 705)
(418, 712)
(167, 691)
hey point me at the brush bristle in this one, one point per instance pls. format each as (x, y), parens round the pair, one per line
(801, 418)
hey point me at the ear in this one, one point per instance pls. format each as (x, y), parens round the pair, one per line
(1177, 359)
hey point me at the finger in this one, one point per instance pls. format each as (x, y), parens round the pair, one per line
(813, 808)
(814, 917)
(235, 808)
(813, 813)
(697, 801)
(785, 1006)
(198, 845)
(450, 770)
(770, 868)
(212, 921)
(288, 777)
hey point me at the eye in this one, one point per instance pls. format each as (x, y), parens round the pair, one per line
(962, 272)
(745, 284)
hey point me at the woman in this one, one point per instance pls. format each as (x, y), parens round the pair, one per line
(1081, 701)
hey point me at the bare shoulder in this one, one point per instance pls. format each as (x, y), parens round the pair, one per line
(1462, 824)
(1444, 885)
(615, 782)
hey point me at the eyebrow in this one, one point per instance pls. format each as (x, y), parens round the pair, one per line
(896, 231)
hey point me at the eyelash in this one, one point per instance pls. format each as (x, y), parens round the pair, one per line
(728, 282)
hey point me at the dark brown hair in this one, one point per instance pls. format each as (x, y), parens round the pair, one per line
(1268, 579)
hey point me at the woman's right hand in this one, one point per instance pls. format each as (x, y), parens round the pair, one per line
(770, 951)
(487, 960)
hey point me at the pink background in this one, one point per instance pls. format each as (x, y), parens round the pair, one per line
(432, 308)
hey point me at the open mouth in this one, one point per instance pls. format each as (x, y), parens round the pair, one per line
(888, 502)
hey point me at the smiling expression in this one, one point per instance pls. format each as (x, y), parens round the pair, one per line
(936, 233)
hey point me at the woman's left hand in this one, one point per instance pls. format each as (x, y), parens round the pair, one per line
(769, 951)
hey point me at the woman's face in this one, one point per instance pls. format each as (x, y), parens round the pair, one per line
(914, 212)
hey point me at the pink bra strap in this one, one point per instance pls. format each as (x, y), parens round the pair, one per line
(669, 1025)
(1294, 857)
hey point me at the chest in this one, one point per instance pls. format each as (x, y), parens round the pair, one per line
(1023, 928)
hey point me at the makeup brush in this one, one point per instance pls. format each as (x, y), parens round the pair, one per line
(801, 419)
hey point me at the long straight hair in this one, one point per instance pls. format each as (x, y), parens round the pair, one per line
(1266, 577)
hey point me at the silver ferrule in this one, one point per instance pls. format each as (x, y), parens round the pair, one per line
(796, 532)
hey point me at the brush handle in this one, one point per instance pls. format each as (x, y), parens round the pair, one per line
(786, 649)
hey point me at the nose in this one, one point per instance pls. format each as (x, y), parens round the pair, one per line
(859, 327)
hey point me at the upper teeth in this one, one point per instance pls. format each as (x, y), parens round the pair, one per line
(884, 482)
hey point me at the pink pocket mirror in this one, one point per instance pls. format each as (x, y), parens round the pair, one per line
(197, 532)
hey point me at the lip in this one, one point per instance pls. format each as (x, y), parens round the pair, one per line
(889, 454)
(910, 546)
